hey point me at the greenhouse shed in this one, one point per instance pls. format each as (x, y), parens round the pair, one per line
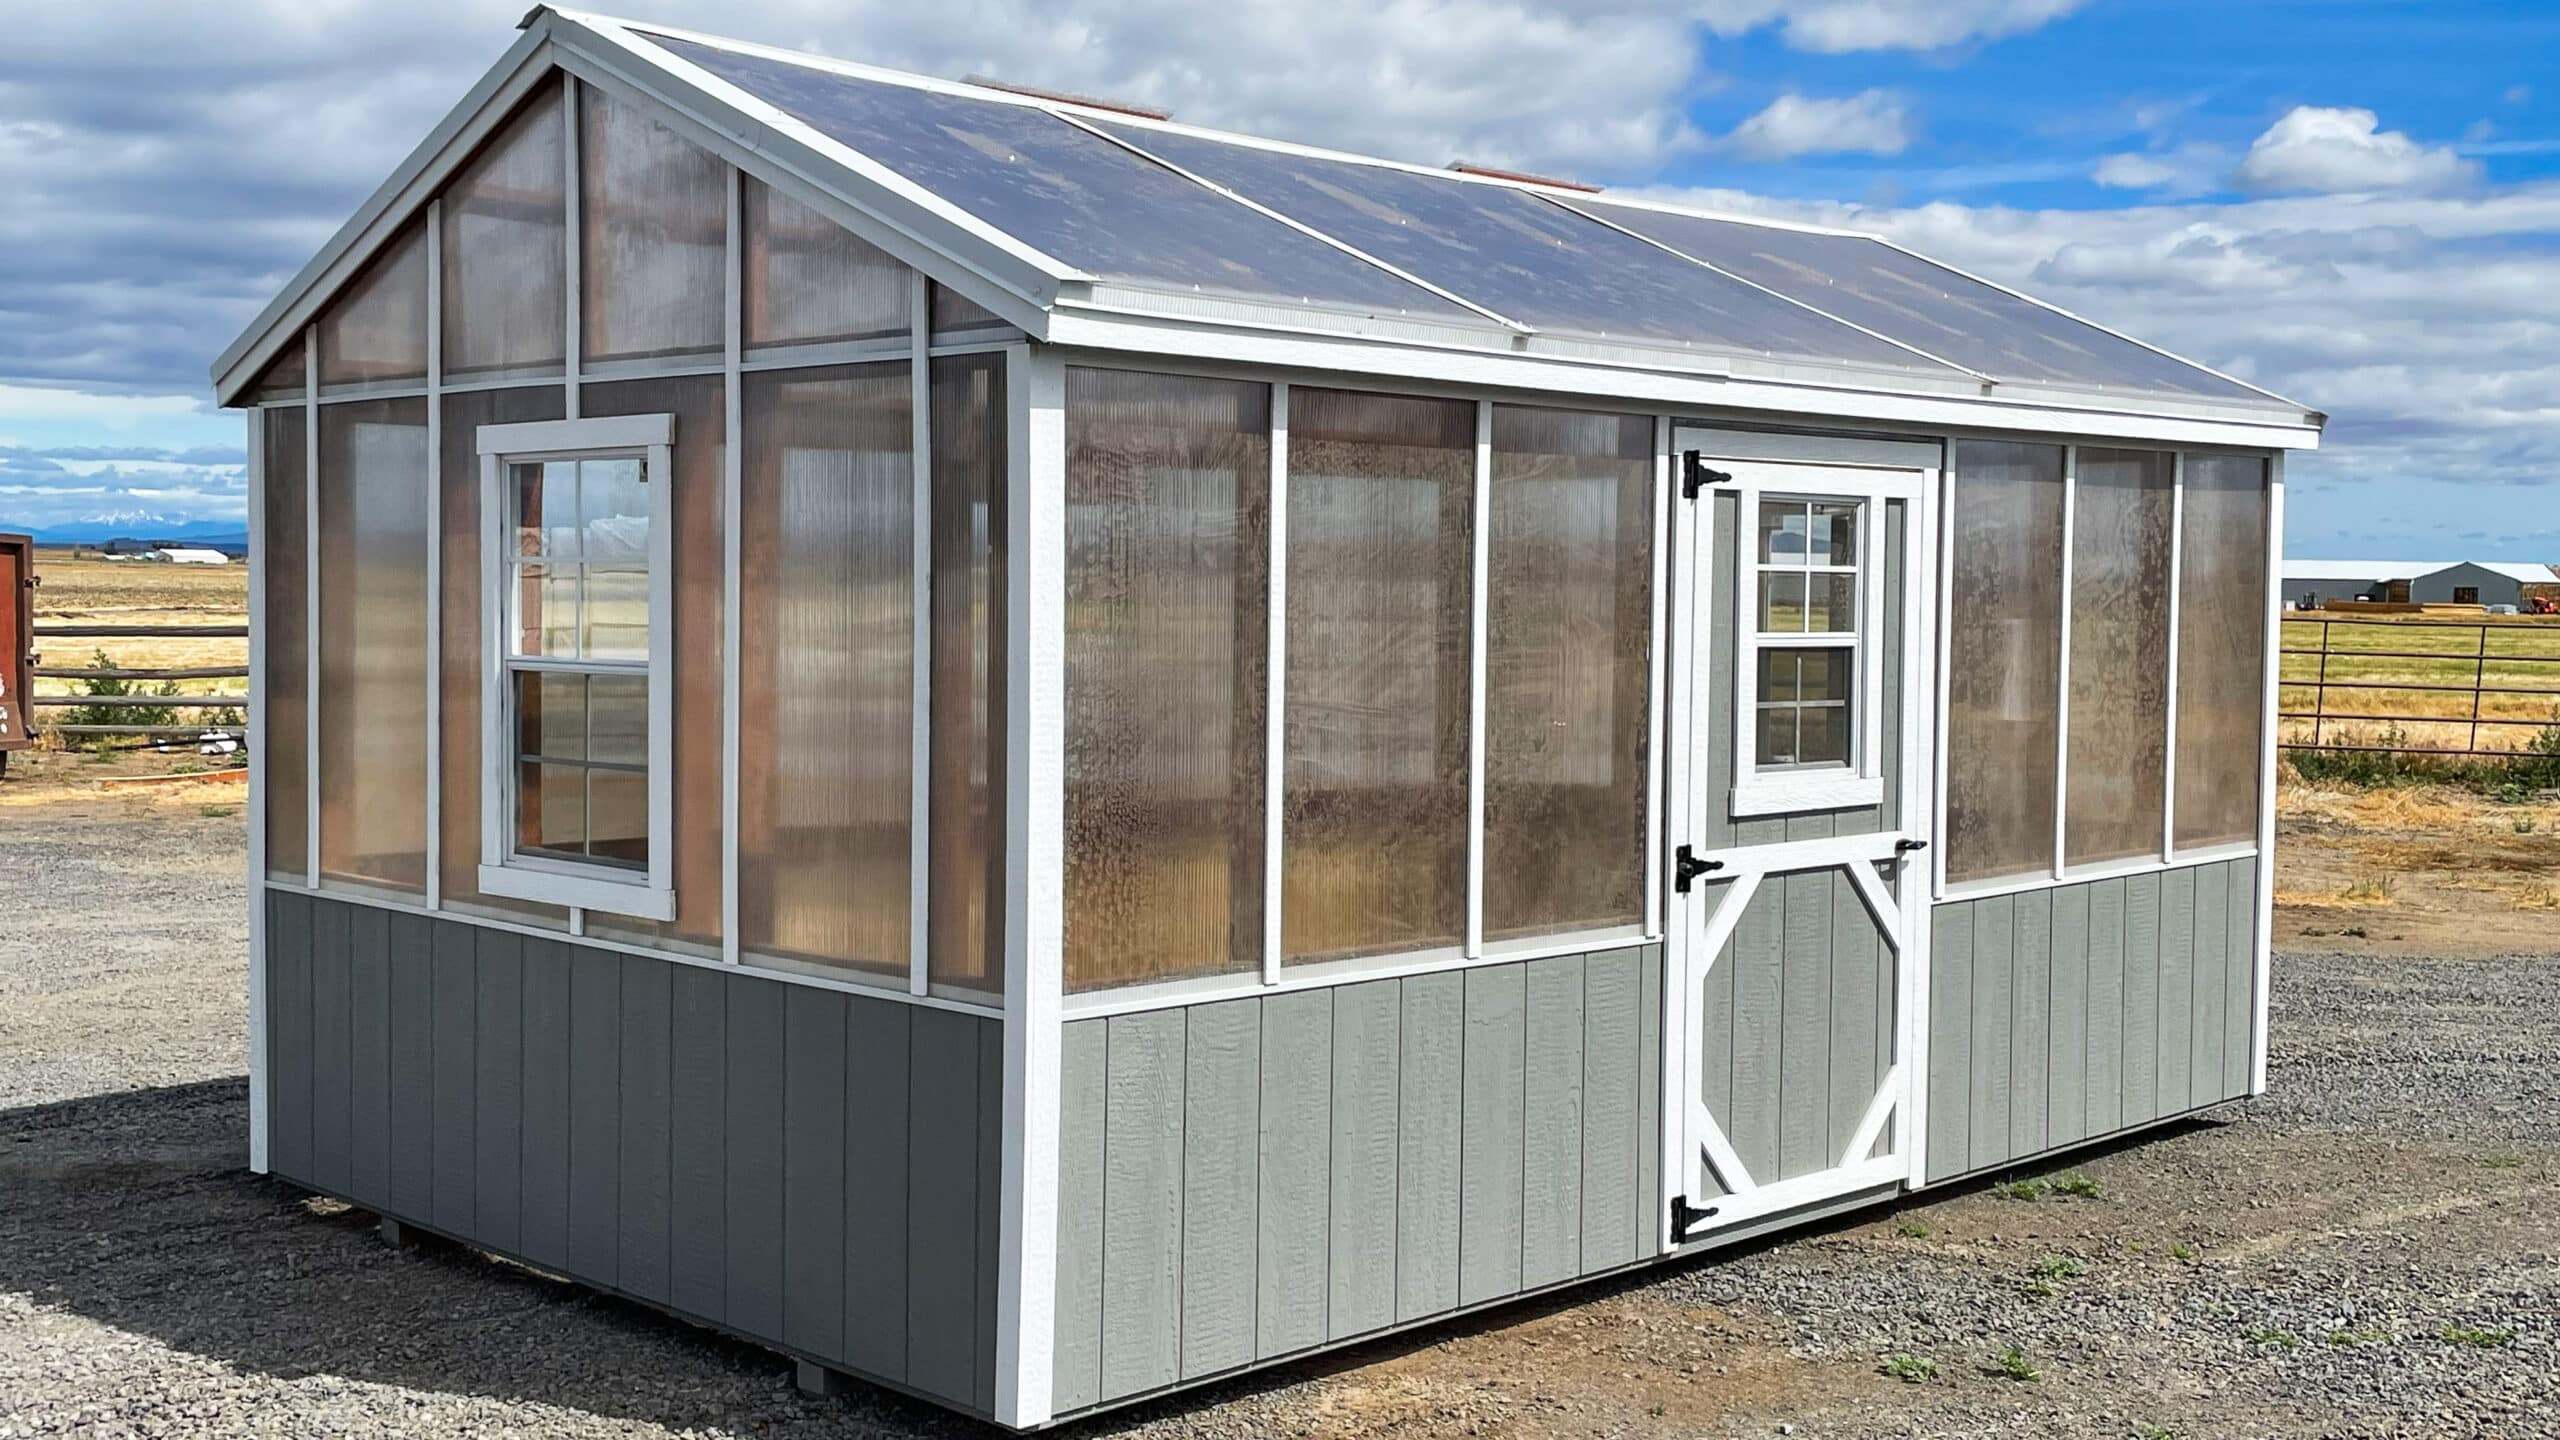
(1037, 755)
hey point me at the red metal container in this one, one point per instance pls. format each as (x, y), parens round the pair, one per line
(17, 643)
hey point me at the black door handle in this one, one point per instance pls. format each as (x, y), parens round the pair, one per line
(1686, 867)
(1905, 847)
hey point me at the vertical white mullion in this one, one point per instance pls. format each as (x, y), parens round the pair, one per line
(1923, 678)
(255, 741)
(732, 466)
(1275, 753)
(311, 605)
(2169, 759)
(435, 553)
(497, 595)
(1657, 722)
(2270, 687)
(662, 668)
(573, 262)
(1693, 564)
(920, 673)
(1477, 609)
(1035, 844)
(1870, 641)
(2062, 668)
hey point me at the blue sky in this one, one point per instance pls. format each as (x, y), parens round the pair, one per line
(2356, 203)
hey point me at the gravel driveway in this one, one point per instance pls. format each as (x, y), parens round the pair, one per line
(2373, 1249)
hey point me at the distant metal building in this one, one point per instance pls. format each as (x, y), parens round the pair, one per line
(2321, 580)
(2477, 582)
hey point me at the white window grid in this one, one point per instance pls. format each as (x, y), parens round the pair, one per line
(1832, 638)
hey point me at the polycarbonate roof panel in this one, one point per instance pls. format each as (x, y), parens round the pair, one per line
(1073, 195)
(1922, 303)
(1517, 254)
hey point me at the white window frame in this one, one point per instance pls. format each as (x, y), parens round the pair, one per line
(649, 894)
(1823, 787)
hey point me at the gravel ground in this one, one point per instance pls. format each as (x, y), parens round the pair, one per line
(2372, 1249)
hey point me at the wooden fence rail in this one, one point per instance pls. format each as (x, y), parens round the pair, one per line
(102, 704)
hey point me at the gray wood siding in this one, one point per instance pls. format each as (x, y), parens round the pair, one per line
(804, 1167)
(1248, 1179)
(2073, 1012)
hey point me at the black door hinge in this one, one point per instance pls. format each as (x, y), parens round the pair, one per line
(1684, 1215)
(1686, 867)
(1695, 476)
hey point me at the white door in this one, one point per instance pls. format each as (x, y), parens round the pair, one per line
(1800, 671)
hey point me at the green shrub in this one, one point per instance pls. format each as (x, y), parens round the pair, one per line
(120, 714)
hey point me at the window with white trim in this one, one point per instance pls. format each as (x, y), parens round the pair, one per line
(577, 802)
(1808, 673)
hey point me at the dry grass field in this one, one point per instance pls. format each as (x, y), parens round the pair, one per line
(78, 589)
(2425, 668)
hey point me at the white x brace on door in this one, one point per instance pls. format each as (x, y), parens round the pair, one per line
(1800, 672)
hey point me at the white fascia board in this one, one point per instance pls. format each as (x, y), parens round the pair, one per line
(1694, 395)
(1013, 280)
(392, 205)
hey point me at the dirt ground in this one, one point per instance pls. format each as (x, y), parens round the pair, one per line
(2371, 1249)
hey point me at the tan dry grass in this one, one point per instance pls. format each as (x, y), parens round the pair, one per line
(91, 591)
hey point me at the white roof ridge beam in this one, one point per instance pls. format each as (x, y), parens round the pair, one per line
(632, 41)
(1303, 228)
(1716, 269)
(2018, 294)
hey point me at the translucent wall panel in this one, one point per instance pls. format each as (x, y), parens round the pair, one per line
(1380, 588)
(826, 635)
(2004, 658)
(809, 280)
(1515, 253)
(2222, 637)
(506, 250)
(697, 540)
(284, 376)
(284, 557)
(1922, 303)
(1168, 536)
(954, 313)
(376, 333)
(373, 607)
(1075, 195)
(2118, 772)
(1568, 671)
(458, 668)
(654, 209)
(966, 879)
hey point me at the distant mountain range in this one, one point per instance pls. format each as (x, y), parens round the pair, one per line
(211, 534)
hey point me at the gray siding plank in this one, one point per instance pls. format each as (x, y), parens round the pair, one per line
(2240, 1013)
(1551, 1125)
(413, 1065)
(1804, 1026)
(877, 1098)
(1075, 1365)
(1432, 1040)
(754, 1205)
(1859, 1049)
(1612, 1133)
(2141, 999)
(813, 1210)
(2067, 1072)
(1142, 1190)
(1222, 1121)
(1758, 965)
(1368, 1022)
(289, 1035)
(2212, 976)
(595, 1114)
(1994, 1066)
(1296, 1184)
(2030, 1020)
(942, 1205)
(543, 1207)
(644, 1208)
(332, 1051)
(497, 1121)
(697, 1148)
(2103, 1105)
(1950, 1111)
(457, 1018)
(369, 1052)
(2177, 990)
(1493, 1083)
(1714, 1030)
(990, 1190)
(1649, 1088)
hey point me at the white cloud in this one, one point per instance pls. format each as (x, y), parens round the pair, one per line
(1872, 122)
(2133, 172)
(2189, 170)
(27, 403)
(1838, 26)
(2332, 150)
(2518, 94)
